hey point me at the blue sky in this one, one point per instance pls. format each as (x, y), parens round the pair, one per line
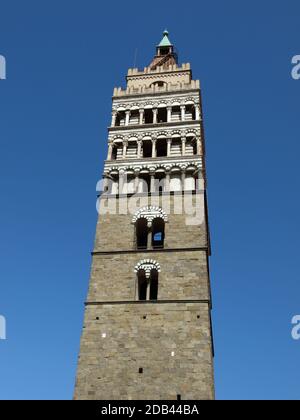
(63, 60)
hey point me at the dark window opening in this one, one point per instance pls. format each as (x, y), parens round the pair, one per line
(148, 116)
(147, 148)
(146, 181)
(141, 234)
(194, 144)
(164, 50)
(120, 118)
(142, 285)
(114, 152)
(154, 285)
(176, 113)
(140, 370)
(162, 115)
(160, 180)
(134, 117)
(161, 147)
(158, 233)
(190, 112)
(159, 83)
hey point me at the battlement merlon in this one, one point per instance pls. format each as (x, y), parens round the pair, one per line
(161, 76)
(160, 69)
(174, 78)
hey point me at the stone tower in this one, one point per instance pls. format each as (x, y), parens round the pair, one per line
(147, 328)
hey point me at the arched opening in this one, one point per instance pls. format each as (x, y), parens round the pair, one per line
(191, 146)
(141, 234)
(176, 149)
(148, 116)
(158, 233)
(120, 118)
(162, 115)
(145, 183)
(147, 148)
(175, 181)
(176, 113)
(161, 147)
(134, 117)
(153, 284)
(160, 182)
(114, 152)
(142, 285)
(131, 149)
(190, 113)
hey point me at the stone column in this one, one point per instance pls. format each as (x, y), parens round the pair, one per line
(113, 118)
(121, 181)
(152, 182)
(167, 186)
(169, 113)
(169, 143)
(125, 144)
(197, 111)
(182, 108)
(127, 113)
(109, 153)
(183, 141)
(139, 148)
(149, 245)
(182, 179)
(148, 284)
(153, 148)
(136, 180)
(199, 180)
(199, 147)
(141, 116)
(154, 110)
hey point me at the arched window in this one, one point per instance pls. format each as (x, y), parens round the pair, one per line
(153, 284)
(150, 227)
(120, 118)
(161, 147)
(147, 279)
(114, 152)
(158, 233)
(142, 285)
(141, 234)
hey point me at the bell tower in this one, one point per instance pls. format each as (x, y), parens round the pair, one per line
(147, 328)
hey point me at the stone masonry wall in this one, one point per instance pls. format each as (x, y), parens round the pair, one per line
(170, 342)
(183, 275)
(116, 232)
